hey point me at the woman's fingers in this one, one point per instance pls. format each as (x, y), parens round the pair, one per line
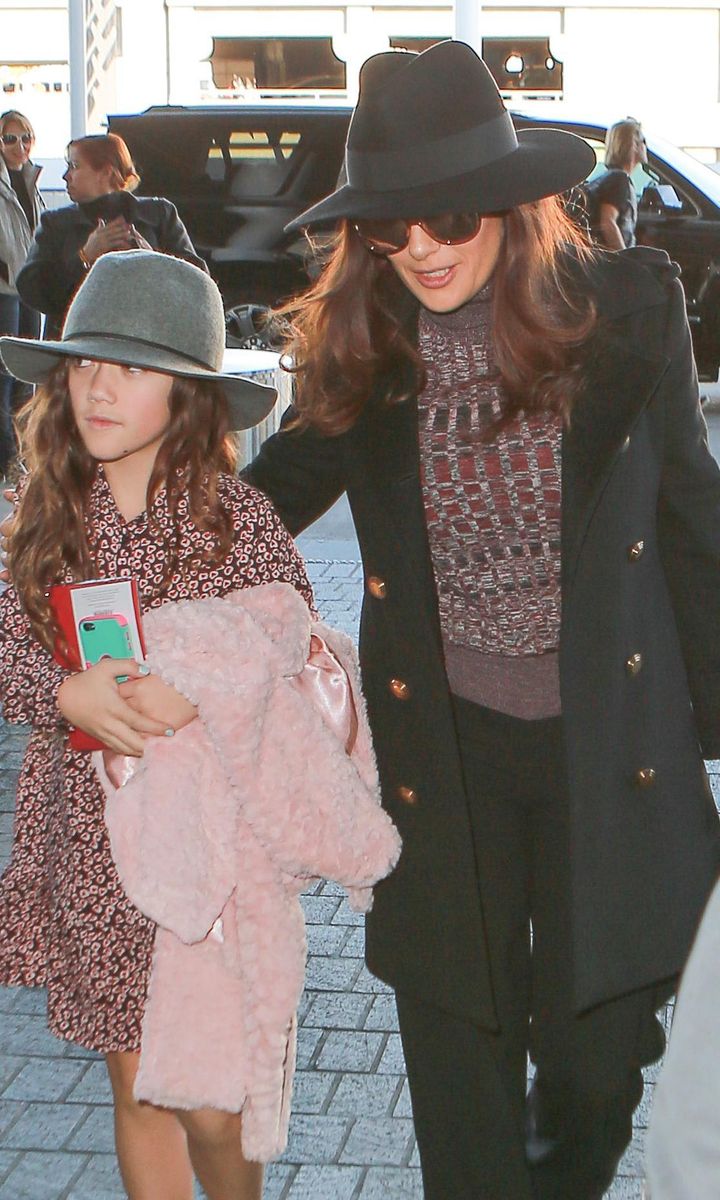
(5, 530)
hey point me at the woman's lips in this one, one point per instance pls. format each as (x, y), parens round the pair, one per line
(435, 279)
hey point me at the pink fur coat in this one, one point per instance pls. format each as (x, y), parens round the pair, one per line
(217, 831)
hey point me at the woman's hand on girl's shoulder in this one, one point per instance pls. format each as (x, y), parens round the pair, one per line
(152, 697)
(92, 701)
(5, 531)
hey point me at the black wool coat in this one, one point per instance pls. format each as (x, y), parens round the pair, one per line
(639, 658)
(53, 271)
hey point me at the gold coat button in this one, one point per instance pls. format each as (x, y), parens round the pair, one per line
(635, 551)
(407, 795)
(645, 777)
(633, 664)
(377, 587)
(400, 689)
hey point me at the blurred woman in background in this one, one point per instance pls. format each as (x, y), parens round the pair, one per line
(20, 206)
(625, 149)
(104, 215)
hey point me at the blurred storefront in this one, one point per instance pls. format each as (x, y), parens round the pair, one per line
(658, 61)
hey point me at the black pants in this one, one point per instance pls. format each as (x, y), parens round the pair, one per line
(480, 1137)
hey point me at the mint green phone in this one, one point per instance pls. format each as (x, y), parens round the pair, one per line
(103, 637)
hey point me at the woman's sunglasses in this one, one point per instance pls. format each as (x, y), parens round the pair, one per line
(9, 139)
(390, 235)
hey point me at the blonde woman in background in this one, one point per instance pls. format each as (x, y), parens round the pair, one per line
(20, 206)
(625, 149)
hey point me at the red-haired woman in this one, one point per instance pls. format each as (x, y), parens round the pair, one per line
(104, 215)
(515, 419)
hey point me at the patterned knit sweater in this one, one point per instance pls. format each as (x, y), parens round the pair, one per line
(493, 515)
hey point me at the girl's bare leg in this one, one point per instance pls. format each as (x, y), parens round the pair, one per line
(213, 1139)
(152, 1148)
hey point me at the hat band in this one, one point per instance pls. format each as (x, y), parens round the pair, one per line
(119, 340)
(442, 158)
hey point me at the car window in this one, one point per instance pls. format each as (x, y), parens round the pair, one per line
(643, 176)
(599, 149)
(253, 162)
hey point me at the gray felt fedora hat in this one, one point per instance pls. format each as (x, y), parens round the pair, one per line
(145, 309)
(431, 134)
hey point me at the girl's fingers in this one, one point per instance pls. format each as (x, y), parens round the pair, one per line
(142, 724)
(123, 741)
(120, 669)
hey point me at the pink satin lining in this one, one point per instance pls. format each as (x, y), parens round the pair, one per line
(118, 767)
(325, 684)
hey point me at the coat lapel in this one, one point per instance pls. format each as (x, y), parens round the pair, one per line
(621, 384)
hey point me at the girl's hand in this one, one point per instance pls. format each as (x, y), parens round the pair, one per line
(152, 697)
(91, 701)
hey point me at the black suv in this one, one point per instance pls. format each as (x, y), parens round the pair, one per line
(239, 173)
(237, 176)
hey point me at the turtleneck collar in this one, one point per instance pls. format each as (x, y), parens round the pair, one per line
(475, 312)
(112, 204)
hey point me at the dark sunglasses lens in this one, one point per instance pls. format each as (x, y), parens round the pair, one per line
(453, 227)
(11, 138)
(389, 236)
(384, 236)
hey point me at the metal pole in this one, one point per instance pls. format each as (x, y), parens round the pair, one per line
(78, 68)
(467, 23)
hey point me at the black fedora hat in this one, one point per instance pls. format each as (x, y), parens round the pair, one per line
(431, 134)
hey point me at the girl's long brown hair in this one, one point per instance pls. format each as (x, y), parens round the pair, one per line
(50, 542)
(351, 328)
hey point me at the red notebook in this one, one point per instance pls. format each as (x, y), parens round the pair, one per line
(98, 619)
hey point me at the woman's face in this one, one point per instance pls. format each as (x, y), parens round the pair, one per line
(445, 277)
(84, 182)
(122, 413)
(16, 153)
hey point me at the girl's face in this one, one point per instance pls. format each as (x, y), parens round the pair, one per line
(16, 152)
(83, 181)
(122, 413)
(445, 277)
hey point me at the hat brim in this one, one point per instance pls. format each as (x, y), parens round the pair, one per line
(32, 361)
(546, 162)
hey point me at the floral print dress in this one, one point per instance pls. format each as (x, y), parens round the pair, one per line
(65, 921)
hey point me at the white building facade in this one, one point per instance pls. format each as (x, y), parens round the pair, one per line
(659, 62)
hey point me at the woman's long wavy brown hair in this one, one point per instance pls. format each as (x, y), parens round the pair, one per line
(350, 330)
(50, 541)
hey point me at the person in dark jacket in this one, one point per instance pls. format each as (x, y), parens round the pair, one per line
(104, 216)
(514, 417)
(20, 208)
(615, 198)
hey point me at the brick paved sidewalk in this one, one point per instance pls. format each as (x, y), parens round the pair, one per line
(351, 1135)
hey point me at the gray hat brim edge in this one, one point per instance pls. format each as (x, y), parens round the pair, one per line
(545, 163)
(32, 361)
